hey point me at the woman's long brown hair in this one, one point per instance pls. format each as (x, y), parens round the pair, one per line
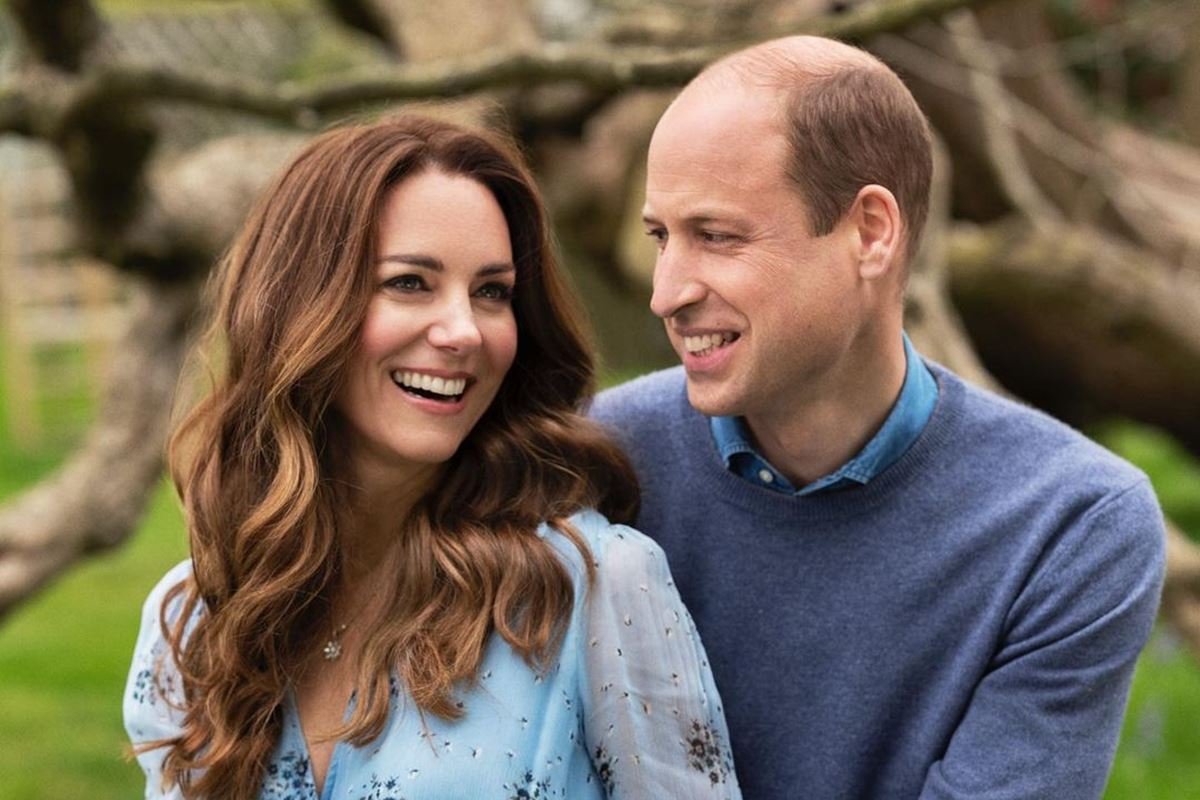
(254, 463)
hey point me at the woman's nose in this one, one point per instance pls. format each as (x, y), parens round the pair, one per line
(455, 327)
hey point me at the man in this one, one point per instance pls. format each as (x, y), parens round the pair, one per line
(907, 587)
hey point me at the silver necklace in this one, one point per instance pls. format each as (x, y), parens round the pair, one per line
(333, 648)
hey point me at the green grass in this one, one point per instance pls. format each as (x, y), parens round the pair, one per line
(64, 655)
(1159, 755)
(63, 660)
(1160, 744)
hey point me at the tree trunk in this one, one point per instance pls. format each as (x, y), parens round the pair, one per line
(93, 502)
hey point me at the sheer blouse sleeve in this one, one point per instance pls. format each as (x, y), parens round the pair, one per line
(153, 694)
(653, 720)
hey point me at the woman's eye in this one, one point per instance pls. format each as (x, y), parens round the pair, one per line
(406, 283)
(495, 291)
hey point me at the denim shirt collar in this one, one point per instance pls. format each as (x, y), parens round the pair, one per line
(903, 425)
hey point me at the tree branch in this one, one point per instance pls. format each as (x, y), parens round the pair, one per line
(93, 501)
(872, 20)
(15, 113)
(929, 316)
(59, 32)
(365, 16)
(1070, 154)
(996, 120)
(603, 69)
(1114, 327)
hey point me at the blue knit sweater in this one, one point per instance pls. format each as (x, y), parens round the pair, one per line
(963, 626)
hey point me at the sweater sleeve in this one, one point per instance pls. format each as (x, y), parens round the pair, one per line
(652, 716)
(1045, 719)
(153, 695)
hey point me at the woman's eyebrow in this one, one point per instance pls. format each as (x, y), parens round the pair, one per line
(435, 264)
(415, 260)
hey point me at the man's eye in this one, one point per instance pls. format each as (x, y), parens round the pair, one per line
(713, 237)
(657, 234)
(406, 283)
(495, 291)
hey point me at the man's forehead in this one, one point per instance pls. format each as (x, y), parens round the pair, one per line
(719, 114)
(714, 140)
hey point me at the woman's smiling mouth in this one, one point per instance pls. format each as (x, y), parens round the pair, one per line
(430, 387)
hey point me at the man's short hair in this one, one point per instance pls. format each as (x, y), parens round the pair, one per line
(850, 122)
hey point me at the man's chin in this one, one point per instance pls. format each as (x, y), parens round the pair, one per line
(713, 401)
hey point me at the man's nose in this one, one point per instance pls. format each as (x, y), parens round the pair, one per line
(676, 285)
(456, 328)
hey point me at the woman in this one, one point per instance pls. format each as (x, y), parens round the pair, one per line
(397, 588)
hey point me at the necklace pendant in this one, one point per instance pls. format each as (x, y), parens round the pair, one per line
(332, 650)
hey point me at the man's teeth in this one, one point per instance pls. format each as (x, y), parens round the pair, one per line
(698, 345)
(448, 387)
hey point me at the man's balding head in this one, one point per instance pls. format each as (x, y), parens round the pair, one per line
(848, 119)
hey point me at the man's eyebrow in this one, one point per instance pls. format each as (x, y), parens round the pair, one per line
(435, 265)
(704, 219)
(699, 218)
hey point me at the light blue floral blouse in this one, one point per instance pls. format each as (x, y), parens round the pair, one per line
(628, 711)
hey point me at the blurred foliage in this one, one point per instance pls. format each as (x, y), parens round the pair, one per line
(1159, 756)
(1173, 471)
(1126, 53)
(118, 7)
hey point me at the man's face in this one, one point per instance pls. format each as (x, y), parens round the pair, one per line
(763, 315)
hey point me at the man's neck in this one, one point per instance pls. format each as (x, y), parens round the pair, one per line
(818, 434)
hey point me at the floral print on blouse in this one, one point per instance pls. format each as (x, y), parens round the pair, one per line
(628, 711)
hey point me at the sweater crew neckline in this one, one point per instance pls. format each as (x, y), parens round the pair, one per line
(848, 502)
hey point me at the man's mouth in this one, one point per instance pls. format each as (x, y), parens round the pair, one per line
(430, 387)
(706, 343)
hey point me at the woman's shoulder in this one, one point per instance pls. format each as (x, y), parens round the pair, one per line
(153, 611)
(619, 553)
(180, 572)
(153, 675)
(177, 574)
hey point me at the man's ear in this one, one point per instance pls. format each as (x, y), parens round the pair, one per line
(876, 216)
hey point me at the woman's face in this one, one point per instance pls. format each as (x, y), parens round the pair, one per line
(439, 333)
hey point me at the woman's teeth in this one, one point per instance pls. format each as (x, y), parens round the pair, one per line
(441, 388)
